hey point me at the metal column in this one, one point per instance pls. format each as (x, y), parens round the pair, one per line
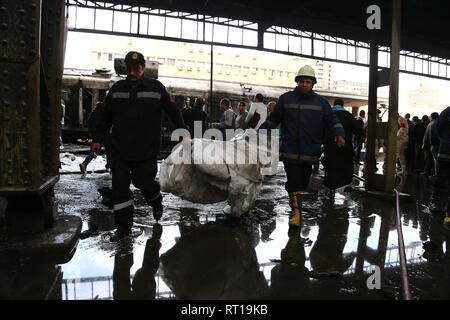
(380, 130)
(31, 64)
(19, 95)
(371, 112)
(393, 97)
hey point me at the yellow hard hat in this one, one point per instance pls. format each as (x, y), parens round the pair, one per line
(306, 71)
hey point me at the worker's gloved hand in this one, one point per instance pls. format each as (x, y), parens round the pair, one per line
(340, 141)
(95, 149)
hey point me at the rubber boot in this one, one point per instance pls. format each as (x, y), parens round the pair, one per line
(124, 221)
(447, 216)
(157, 206)
(295, 204)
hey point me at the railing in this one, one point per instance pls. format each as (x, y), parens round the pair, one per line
(71, 287)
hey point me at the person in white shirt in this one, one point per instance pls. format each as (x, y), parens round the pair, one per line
(256, 107)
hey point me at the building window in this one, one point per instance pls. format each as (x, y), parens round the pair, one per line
(190, 65)
(161, 60)
(245, 71)
(227, 69)
(208, 67)
(237, 69)
(254, 70)
(200, 66)
(170, 62)
(262, 72)
(219, 67)
(107, 56)
(96, 55)
(180, 64)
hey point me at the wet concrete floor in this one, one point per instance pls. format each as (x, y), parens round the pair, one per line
(344, 249)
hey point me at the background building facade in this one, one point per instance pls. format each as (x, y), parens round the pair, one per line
(193, 61)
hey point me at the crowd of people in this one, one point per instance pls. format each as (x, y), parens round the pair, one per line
(129, 125)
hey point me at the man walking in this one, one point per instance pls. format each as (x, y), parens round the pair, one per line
(303, 115)
(133, 107)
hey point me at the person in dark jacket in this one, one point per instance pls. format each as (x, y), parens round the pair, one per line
(133, 107)
(358, 143)
(303, 114)
(240, 119)
(339, 162)
(193, 115)
(418, 131)
(410, 158)
(443, 164)
(434, 139)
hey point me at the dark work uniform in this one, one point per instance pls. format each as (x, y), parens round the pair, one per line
(338, 162)
(442, 177)
(417, 133)
(192, 115)
(135, 116)
(359, 142)
(303, 119)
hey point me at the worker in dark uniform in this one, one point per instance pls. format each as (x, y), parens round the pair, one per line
(302, 114)
(443, 166)
(133, 107)
(191, 115)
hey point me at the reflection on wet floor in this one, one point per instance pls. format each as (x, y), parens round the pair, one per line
(344, 250)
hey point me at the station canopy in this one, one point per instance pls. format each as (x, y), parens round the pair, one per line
(424, 27)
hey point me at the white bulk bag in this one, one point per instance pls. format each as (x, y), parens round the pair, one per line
(224, 174)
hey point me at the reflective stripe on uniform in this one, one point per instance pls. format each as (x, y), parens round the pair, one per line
(149, 94)
(299, 156)
(123, 205)
(338, 125)
(123, 95)
(302, 106)
(310, 107)
(443, 156)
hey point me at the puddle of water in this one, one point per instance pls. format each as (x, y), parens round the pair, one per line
(330, 257)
